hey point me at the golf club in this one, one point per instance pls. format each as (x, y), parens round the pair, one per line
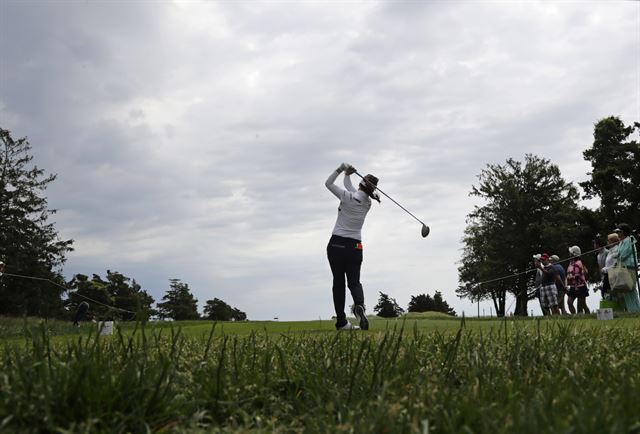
(425, 229)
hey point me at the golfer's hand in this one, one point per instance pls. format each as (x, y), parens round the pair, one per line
(343, 167)
(350, 170)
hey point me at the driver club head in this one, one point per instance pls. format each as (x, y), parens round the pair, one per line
(425, 231)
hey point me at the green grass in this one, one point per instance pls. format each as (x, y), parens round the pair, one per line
(413, 375)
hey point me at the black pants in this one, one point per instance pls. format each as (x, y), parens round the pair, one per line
(345, 258)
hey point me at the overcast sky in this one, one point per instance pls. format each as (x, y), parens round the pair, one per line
(192, 139)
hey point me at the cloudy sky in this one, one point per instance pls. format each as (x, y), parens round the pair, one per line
(192, 139)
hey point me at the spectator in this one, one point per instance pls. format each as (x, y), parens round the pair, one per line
(628, 258)
(561, 284)
(600, 246)
(577, 281)
(537, 282)
(1, 268)
(548, 292)
(610, 261)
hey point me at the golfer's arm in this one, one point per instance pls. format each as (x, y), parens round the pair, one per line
(329, 183)
(348, 185)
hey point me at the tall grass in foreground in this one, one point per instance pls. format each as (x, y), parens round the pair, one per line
(519, 377)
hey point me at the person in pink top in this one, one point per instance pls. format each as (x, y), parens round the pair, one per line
(577, 282)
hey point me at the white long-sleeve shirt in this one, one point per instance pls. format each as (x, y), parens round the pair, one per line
(354, 206)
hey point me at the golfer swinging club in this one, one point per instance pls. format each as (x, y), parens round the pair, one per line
(345, 246)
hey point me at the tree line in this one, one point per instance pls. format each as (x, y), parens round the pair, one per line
(388, 307)
(32, 283)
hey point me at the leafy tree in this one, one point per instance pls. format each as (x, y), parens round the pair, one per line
(387, 307)
(420, 303)
(529, 208)
(615, 175)
(94, 291)
(113, 298)
(238, 315)
(440, 305)
(425, 303)
(29, 243)
(218, 310)
(178, 303)
(128, 295)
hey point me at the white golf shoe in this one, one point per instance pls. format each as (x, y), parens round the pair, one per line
(349, 326)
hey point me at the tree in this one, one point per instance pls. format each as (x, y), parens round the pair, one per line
(615, 175)
(178, 303)
(387, 307)
(529, 208)
(114, 298)
(238, 315)
(128, 295)
(425, 303)
(94, 291)
(440, 305)
(218, 310)
(420, 303)
(29, 243)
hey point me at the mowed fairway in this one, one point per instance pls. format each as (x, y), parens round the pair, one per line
(424, 374)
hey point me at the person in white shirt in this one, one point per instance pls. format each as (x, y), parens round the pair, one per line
(344, 250)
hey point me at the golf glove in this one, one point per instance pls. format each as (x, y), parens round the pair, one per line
(345, 166)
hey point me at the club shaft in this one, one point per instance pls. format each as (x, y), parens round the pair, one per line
(391, 199)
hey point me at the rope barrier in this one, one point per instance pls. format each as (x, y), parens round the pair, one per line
(527, 272)
(67, 290)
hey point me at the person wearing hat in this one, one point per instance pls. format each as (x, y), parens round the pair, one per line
(577, 281)
(344, 250)
(561, 283)
(548, 290)
(628, 258)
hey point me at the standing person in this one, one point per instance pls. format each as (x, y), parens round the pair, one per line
(537, 282)
(345, 246)
(577, 281)
(600, 247)
(610, 261)
(1, 268)
(629, 259)
(561, 283)
(548, 291)
(82, 310)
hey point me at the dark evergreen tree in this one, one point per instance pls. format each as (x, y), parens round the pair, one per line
(239, 315)
(218, 310)
(387, 307)
(94, 291)
(615, 175)
(128, 295)
(425, 303)
(440, 305)
(29, 243)
(178, 303)
(420, 303)
(117, 297)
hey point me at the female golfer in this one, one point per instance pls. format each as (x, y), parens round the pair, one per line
(345, 246)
